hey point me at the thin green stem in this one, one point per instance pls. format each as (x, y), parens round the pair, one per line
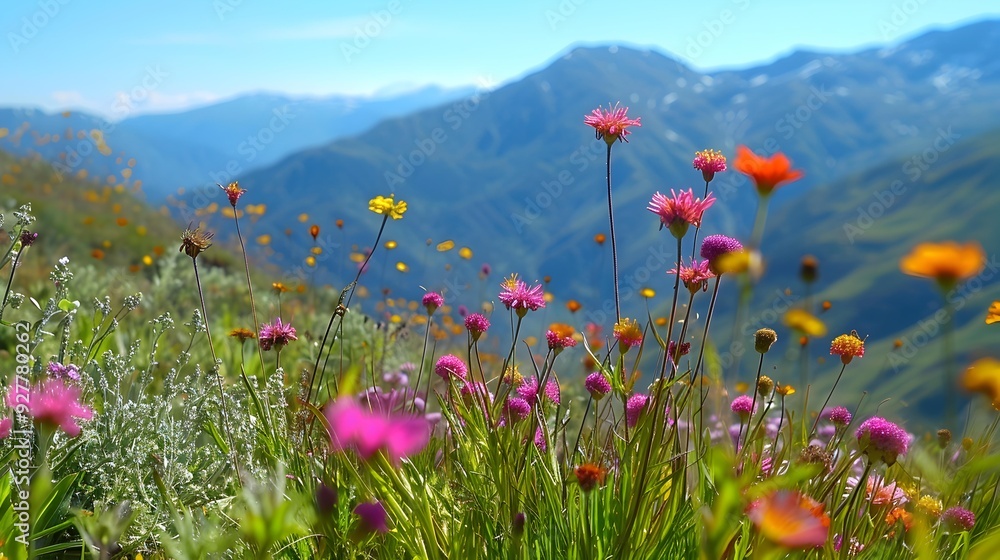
(614, 247)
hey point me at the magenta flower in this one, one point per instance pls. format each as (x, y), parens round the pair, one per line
(6, 425)
(634, 407)
(696, 276)
(597, 385)
(431, 301)
(680, 210)
(742, 406)
(839, 415)
(477, 324)
(559, 336)
(52, 403)
(672, 349)
(370, 431)
(517, 409)
(276, 336)
(518, 296)
(611, 125)
(449, 366)
(540, 439)
(475, 390)
(956, 519)
(69, 371)
(709, 162)
(882, 440)
(372, 517)
(715, 246)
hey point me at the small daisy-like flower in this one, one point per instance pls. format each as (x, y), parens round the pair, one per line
(233, 192)
(242, 334)
(767, 173)
(696, 276)
(279, 287)
(848, 347)
(634, 407)
(276, 336)
(679, 211)
(709, 162)
(589, 476)
(839, 415)
(882, 440)
(560, 336)
(387, 206)
(628, 334)
(597, 385)
(477, 324)
(195, 241)
(432, 301)
(518, 296)
(68, 371)
(790, 519)
(449, 366)
(957, 519)
(714, 247)
(611, 125)
(742, 406)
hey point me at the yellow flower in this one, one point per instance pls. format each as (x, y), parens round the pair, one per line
(785, 390)
(930, 506)
(993, 313)
(387, 206)
(947, 262)
(805, 322)
(983, 376)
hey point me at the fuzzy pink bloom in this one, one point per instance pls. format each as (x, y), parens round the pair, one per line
(518, 296)
(540, 442)
(449, 366)
(372, 517)
(742, 406)
(431, 301)
(709, 162)
(696, 276)
(680, 210)
(517, 408)
(839, 415)
(957, 519)
(528, 390)
(52, 403)
(714, 246)
(882, 440)
(477, 324)
(276, 336)
(879, 492)
(6, 425)
(611, 125)
(369, 431)
(597, 385)
(558, 341)
(790, 519)
(634, 407)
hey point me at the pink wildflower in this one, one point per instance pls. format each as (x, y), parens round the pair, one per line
(790, 519)
(276, 336)
(709, 162)
(680, 210)
(742, 406)
(69, 371)
(477, 324)
(611, 125)
(882, 440)
(597, 385)
(449, 366)
(431, 301)
(369, 431)
(372, 517)
(52, 403)
(6, 425)
(518, 296)
(957, 519)
(634, 407)
(696, 276)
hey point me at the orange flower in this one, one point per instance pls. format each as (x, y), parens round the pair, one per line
(767, 173)
(946, 262)
(993, 313)
(573, 306)
(983, 376)
(589, 476)
(790, 519)
(599, 238)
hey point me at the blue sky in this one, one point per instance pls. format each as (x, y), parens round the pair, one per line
(84, 55)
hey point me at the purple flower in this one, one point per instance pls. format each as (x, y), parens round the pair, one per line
(839, 415)
(957, 519)
(742, 406)
(518, 296)
(882, 440)
(60, 371)
(597, 385)
(277, 335)
(540, 439)
(517, 409)
(431, 301)
(477, 324)
(372, 517)
(27, 238)
(449, 366)
(634, 407)
(714, 246)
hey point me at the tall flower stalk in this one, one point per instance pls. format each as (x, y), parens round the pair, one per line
(612, 126)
